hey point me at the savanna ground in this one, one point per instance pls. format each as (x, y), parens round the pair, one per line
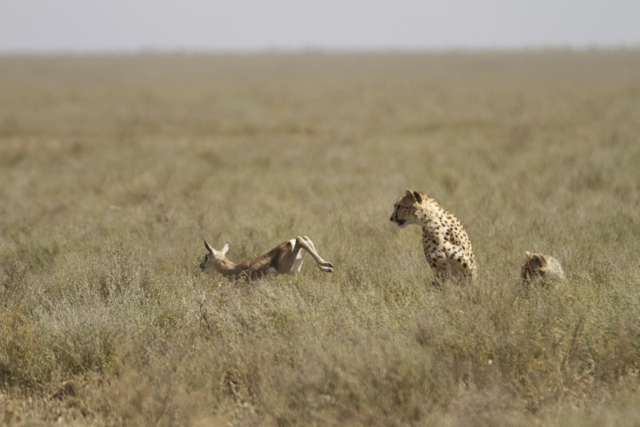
(113, 168)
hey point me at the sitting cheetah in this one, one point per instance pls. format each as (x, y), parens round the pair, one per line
(446, 244)
(543, 267)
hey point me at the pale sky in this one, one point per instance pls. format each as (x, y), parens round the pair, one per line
(214, 25)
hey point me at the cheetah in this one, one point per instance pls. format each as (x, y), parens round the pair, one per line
(445, 242)
(286, 258)
(541, 267)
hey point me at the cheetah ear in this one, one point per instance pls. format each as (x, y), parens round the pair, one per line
(417, 196)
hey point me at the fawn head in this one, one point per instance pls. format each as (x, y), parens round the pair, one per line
(214, 259)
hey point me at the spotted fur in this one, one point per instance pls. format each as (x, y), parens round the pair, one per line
(445, 242)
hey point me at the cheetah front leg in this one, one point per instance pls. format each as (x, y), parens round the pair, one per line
(459, 264)
(440, 266)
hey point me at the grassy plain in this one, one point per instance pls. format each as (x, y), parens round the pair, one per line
(113, 168)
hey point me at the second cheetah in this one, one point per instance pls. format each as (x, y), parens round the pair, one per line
(539, 266)
(445, 242)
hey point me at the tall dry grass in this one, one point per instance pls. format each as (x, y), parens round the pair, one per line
(113, 168)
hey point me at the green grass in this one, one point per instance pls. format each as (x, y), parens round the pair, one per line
(113, 168)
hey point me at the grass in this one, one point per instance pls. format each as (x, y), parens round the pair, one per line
(114, 168)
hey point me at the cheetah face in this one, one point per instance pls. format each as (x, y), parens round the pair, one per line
(402, 223)
(537, 262)
(534, 266)
(398, 217)
(404, 209)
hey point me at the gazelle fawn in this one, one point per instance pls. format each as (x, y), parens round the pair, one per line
(287, 257)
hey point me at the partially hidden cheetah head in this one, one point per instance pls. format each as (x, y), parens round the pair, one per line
(541, 266)
(405, 208)
(533, 266)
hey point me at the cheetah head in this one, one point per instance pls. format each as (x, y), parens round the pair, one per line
(534, 266)
(405, 207)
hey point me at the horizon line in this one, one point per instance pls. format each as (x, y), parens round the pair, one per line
(151, 50)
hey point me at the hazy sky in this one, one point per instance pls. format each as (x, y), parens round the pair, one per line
(99, 25)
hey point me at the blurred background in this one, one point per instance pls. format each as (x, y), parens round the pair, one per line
(223, 25)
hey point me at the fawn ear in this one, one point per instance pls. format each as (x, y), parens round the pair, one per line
(208, 246)
(528, 254)
(225, 249)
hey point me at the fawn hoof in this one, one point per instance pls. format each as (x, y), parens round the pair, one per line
(328, 267)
